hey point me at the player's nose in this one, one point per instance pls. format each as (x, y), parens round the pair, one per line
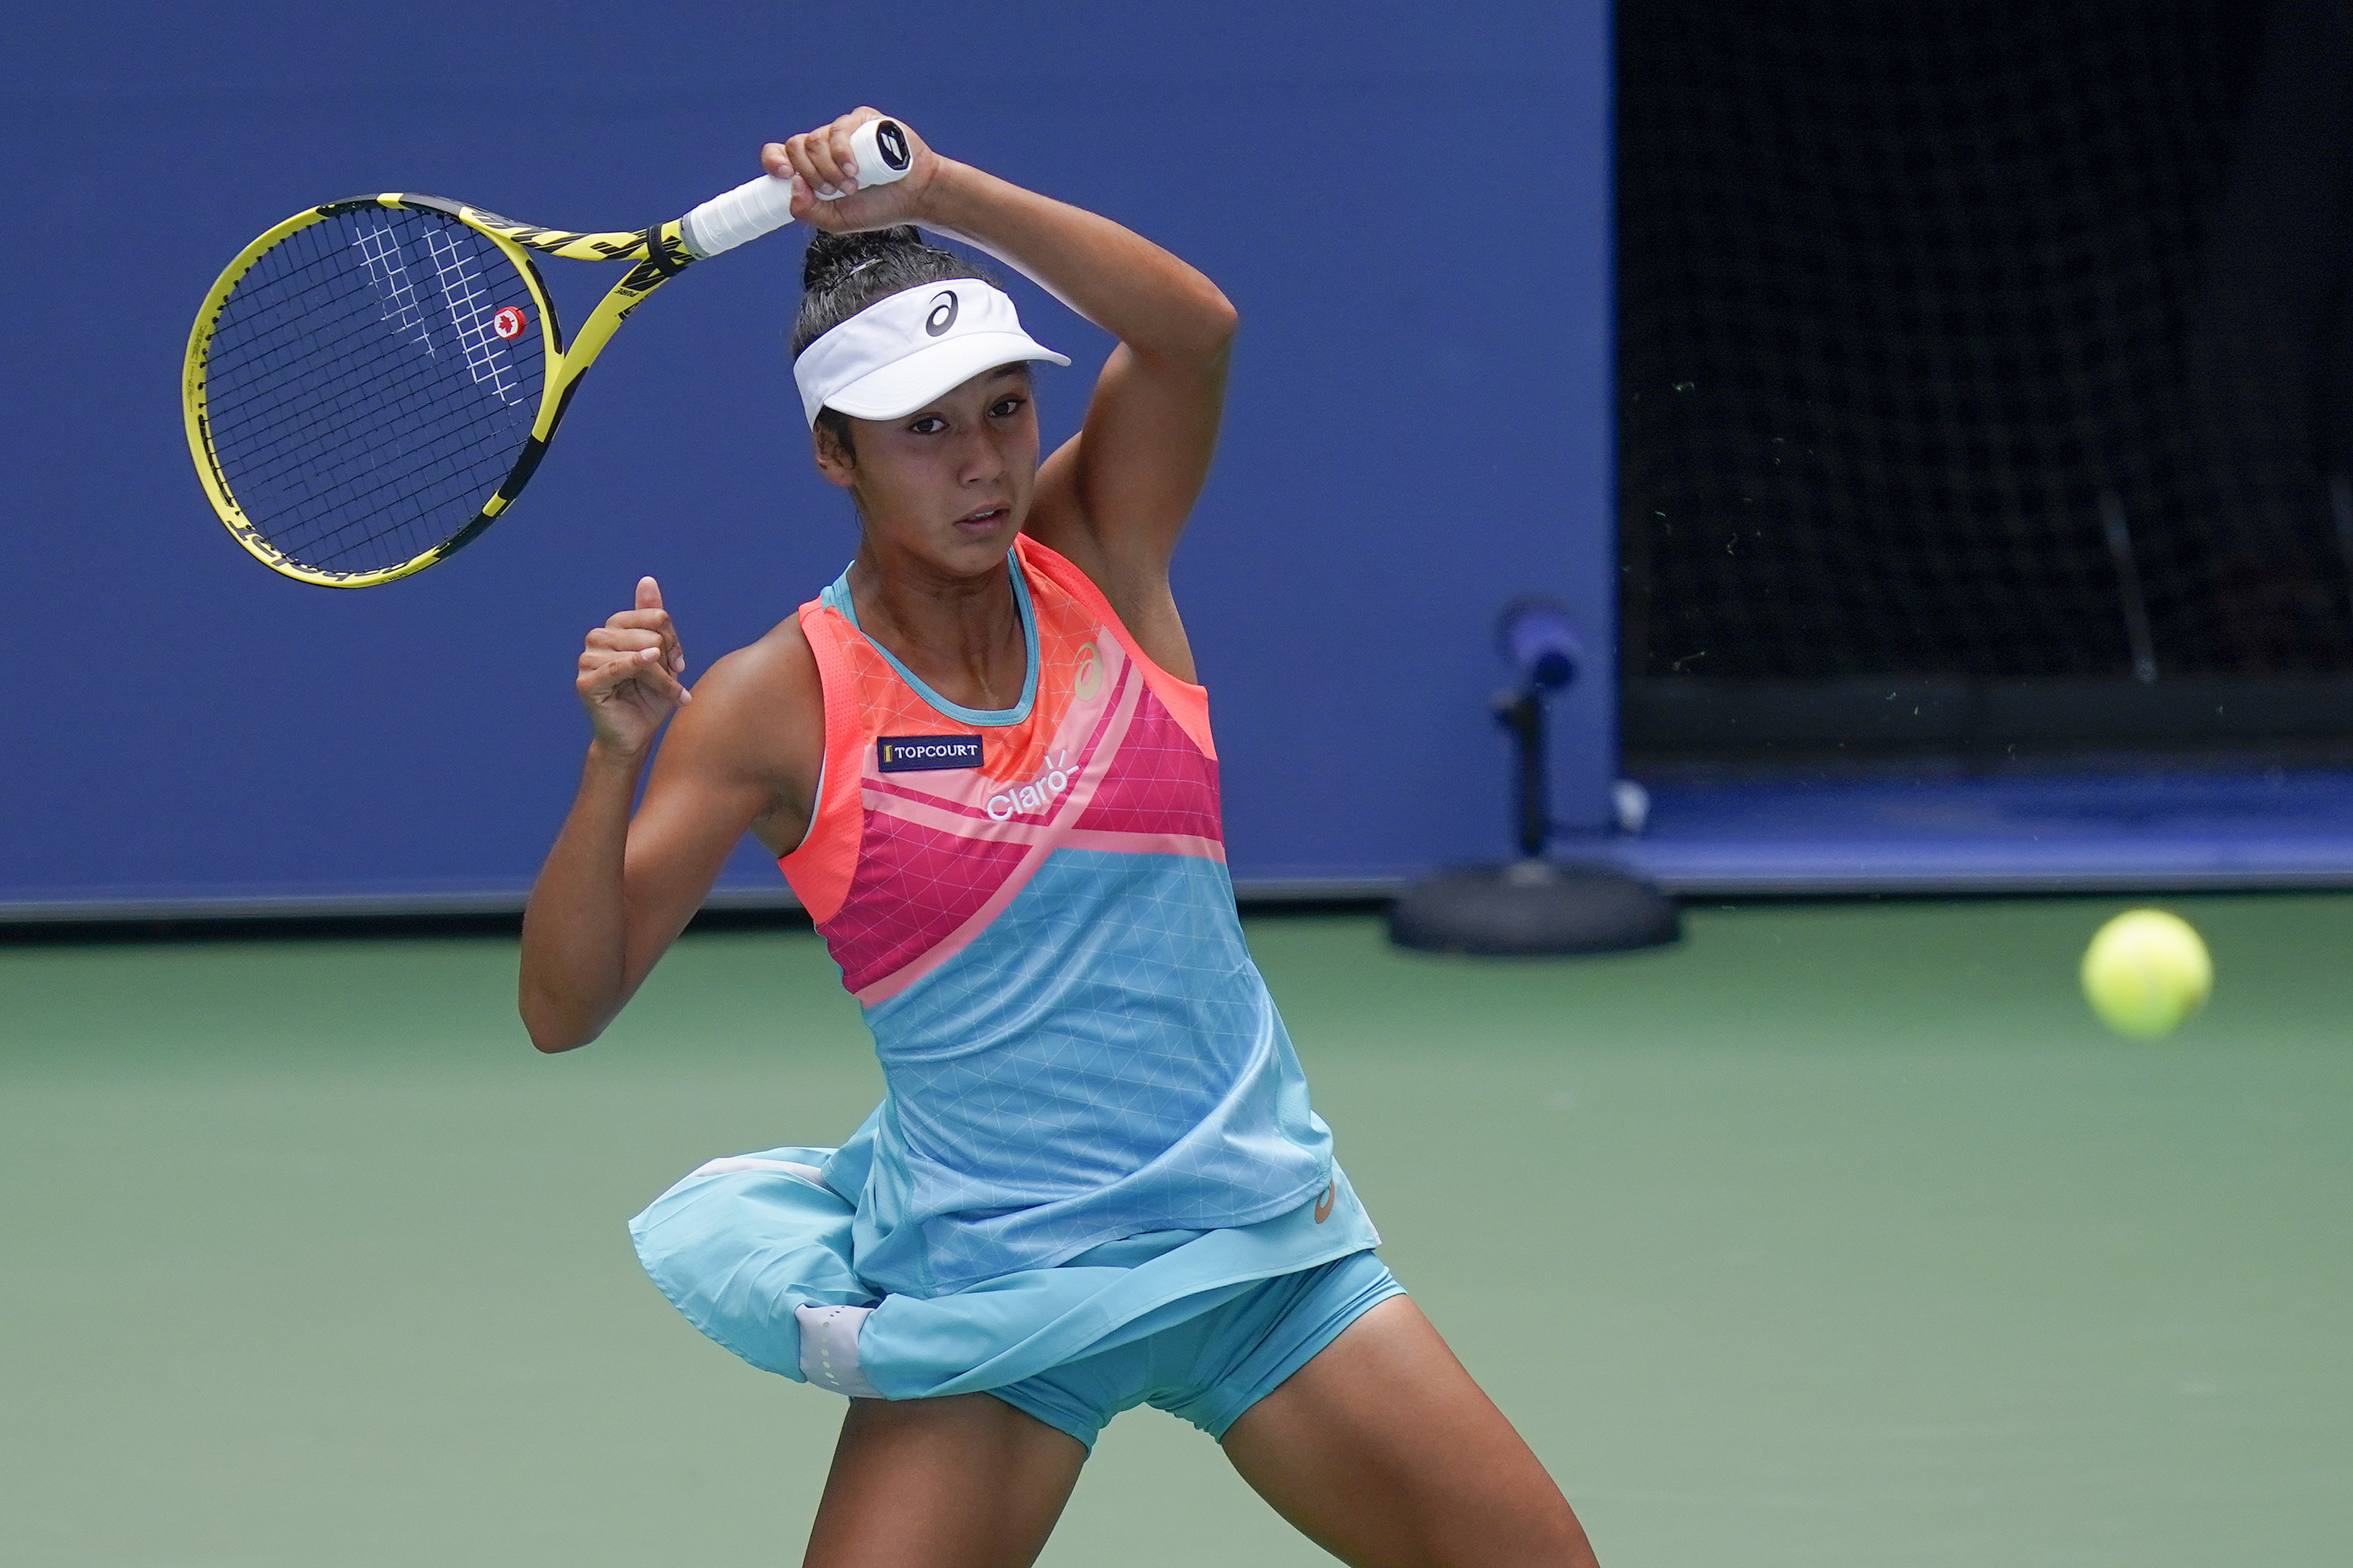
(981, 457)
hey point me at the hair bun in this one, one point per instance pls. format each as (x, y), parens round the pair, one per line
(834, 257)
(841, 274)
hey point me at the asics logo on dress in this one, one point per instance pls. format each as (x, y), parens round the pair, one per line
(1036, 795)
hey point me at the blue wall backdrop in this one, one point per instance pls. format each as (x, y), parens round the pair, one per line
(1407, 203)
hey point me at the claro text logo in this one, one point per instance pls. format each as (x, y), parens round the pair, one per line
(1036, 795)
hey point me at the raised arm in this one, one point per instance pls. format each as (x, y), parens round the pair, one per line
(1115, 498)
(615, 892)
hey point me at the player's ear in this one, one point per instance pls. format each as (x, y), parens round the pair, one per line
(835, 461)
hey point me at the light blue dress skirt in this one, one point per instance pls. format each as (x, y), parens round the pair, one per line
(756, 1250)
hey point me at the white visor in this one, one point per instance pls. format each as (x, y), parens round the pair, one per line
(906, 349)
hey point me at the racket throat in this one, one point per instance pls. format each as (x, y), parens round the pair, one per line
(666, 256)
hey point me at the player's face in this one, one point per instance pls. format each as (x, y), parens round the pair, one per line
(951, 482)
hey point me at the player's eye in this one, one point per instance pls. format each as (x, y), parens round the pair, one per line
(929, 425)
(1005, 407)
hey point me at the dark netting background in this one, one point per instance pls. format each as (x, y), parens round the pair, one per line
(1910, 302)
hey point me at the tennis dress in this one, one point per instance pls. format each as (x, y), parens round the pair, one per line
(1093, 1126)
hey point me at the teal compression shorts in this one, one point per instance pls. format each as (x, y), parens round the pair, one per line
(1210, 1368)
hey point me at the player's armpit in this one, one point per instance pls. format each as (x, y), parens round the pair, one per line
(1129, 479)
(1114, 499)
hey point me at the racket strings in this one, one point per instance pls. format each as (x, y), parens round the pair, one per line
(403, 409)
(362, 401)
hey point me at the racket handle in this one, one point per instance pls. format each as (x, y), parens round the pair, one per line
(758, 206)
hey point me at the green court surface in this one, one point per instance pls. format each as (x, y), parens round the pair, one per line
(1839, 1237)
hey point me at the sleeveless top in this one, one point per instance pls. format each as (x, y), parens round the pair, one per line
(1032, 907)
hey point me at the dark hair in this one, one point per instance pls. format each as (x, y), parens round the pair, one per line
(844, 273)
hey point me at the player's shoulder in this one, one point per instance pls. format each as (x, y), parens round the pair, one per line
(765, 697)
(778, 666)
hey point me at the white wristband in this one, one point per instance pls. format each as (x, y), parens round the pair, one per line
(830, 1349)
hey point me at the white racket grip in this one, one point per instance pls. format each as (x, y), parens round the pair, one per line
(752, 209)
(755, 207)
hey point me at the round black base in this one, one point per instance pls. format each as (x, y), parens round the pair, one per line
(1534, 906)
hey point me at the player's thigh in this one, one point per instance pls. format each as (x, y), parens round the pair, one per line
(1384, 1453)
(962, 1482)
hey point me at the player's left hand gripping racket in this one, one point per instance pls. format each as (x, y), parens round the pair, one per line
(374, 380)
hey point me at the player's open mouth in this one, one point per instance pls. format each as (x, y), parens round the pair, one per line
(983, 520)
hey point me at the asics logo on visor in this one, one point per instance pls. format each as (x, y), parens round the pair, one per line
(908, 348)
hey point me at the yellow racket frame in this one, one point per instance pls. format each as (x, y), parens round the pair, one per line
(660, 255)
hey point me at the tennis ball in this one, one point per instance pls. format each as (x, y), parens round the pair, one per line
(2145, 971)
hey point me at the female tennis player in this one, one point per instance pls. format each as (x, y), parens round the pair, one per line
(1095, 1181)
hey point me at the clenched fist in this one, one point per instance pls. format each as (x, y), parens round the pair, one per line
(824, 165)
(630, 674)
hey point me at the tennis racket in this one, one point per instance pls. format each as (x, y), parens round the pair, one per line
(373, 381)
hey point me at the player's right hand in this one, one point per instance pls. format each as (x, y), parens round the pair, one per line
(629, 675)
(822, 162)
